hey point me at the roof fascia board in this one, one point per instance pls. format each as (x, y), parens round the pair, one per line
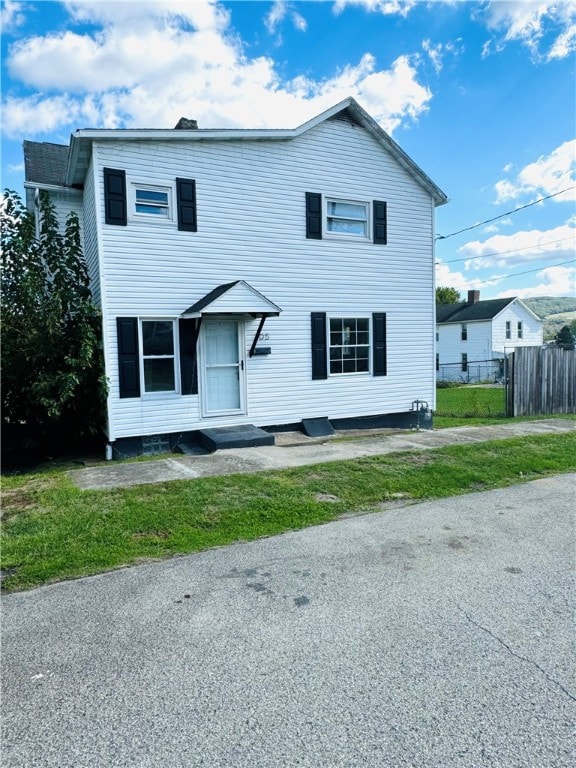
(85, 136)
(52, 187)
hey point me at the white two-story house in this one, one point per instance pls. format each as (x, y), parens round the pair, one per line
(473, 337)
(253, 277)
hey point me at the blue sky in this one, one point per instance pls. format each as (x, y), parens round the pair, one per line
(480, 94)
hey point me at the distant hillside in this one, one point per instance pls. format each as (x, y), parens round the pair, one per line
(551, 305)
(555, 311)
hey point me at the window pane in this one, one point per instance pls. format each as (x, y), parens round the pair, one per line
(346, 210)
(347, 226)
(151, 209)
(335, 366)
(157, 337)
(159, 375)
(151, 196)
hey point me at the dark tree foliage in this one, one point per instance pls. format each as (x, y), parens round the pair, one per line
(53, 380)
(446, 295)
(564, 338)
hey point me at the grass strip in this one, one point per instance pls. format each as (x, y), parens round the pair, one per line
(53, 530)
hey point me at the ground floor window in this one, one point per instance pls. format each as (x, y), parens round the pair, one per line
(349, 345)
(158, 356)
(464, 362)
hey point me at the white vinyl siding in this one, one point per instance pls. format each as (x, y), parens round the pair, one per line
(240, 189)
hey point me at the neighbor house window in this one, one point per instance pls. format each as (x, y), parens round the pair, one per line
(158, 357)
(437, 361)
(519, 329)
(508, 330)
(464, 362)
(464, 332)
(345, 217)
(349, 345)
(152, 201)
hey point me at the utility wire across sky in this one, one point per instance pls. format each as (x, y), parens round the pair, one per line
(508, 213)
(512, 250)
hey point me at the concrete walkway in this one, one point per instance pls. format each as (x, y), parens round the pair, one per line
(296, 450)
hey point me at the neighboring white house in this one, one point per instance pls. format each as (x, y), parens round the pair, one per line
(473, 337)
(254, 277)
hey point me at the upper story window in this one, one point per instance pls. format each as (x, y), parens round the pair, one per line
(508, 330)
(349, 345)
(520, 332)
(464, 332)
(346, 217)
(152, 201)
(158, 356)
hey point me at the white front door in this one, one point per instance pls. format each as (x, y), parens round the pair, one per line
(223, 367)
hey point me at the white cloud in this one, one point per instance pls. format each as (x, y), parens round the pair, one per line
(145, 64)
(279, 11)
(546, 176)
(545, 27)
(386, 7)
(11, 16)
(529, 247)
(554, 281)
(437, 52)
(445, 276)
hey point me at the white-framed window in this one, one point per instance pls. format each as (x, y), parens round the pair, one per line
(464, 332)
(520, 331)
(346, 218)
(349, 345)
(151, 201)
(158, 345)
(508, 330)
(464, 362)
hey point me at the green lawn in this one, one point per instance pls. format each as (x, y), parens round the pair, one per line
(53, 531)
(466, 402)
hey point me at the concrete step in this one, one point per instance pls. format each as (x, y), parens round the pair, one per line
(242, 436)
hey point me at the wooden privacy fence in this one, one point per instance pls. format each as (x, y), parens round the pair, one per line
(541, 380)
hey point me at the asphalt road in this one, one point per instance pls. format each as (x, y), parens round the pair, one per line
(433, 635)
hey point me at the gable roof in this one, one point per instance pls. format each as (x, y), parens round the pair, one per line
(348, 109)
(464, 312)
(45, 163)
(238, 297)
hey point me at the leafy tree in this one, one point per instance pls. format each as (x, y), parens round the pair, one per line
(447, 296)
(564, 338)
(53, 378)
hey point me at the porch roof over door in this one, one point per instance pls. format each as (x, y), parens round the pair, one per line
(237, 298)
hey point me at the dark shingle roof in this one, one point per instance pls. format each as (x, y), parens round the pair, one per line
(464, 312)
(45, 163)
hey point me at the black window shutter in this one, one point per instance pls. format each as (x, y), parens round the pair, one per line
(186, 205)
(115, 211)
(313, 216)
(379, 344)
(319, 366)
(188, 330)
(128, 357)
(379, 222)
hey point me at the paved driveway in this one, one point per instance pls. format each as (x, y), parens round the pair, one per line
(438, 634)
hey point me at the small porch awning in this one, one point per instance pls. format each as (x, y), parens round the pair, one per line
(237, 298)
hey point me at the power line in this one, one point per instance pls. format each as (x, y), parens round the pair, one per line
(527, 272)
(512, 250)
(508, 213)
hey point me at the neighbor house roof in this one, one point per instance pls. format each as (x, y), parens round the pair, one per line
(80, 149)
(467, 312)
(45, 163)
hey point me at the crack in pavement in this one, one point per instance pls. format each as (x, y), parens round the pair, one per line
(516, 655)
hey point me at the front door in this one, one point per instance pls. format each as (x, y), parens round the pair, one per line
(223, 367)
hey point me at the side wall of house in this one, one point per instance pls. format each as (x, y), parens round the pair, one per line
(90, 232)
(67, 202)
(450, 347)
(252, 226)
(532, 329)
